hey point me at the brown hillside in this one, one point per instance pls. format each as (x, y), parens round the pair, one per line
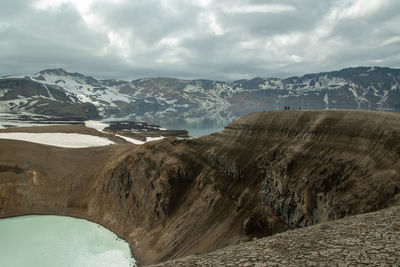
(263, 174)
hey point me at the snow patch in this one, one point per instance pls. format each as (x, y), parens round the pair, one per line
(326, 99)
(131, 140)
(149, 139)
(48, 91)
(3, 92)
(69, 140)
(190, 88)
(138, 142)
(84, 98)
(98, 125)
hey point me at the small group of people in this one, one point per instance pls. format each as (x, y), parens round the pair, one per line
(288, 108)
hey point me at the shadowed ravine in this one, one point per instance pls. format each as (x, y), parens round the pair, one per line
(263, 174)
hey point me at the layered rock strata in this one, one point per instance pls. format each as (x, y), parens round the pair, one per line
(265, 173)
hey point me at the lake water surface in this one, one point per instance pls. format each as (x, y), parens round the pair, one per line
(60, 241)
(197, 128)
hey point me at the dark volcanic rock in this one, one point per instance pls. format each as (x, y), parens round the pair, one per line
(142, 130)
(131, 125)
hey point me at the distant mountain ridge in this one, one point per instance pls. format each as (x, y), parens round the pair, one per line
(61, 94)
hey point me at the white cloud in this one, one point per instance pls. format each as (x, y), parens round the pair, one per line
(392, 40)
(214, 25)
(170, 41)
(359, 8)
(203, 3)
(266, 8)
(118, 43)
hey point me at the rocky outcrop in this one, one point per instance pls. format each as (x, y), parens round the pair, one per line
(263, 174)
(368, 240)
(316, 166)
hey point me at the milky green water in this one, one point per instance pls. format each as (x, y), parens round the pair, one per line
(60, 241)
(196, 129)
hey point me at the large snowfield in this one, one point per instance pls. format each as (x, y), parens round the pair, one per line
(69, 140)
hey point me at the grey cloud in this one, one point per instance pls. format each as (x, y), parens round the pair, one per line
(10, 9)
(147, 20)
(300, 19)
(186, 40)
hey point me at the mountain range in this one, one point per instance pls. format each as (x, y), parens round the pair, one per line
(58, 94)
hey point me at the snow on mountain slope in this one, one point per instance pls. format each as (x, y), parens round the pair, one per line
(85, 89)
(156, 99)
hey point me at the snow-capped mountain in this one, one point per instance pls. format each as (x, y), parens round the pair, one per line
(58, 93)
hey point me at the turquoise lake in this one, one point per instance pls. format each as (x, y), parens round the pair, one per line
(196, 128)
(46, 240)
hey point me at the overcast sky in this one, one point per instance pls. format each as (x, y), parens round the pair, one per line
(221, 39)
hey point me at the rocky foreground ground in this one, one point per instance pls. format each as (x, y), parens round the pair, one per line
(371, 239)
